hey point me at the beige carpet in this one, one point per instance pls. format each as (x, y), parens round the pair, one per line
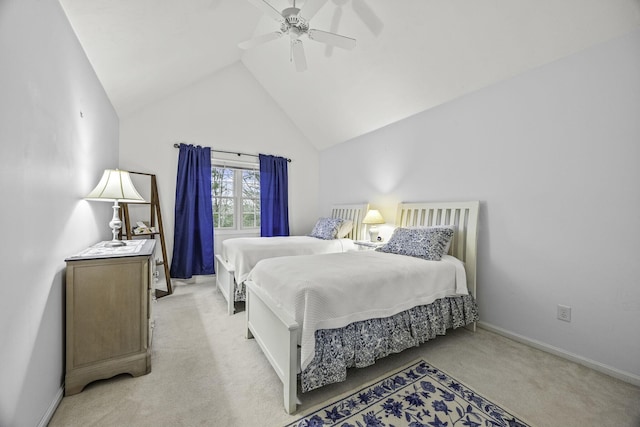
(205, 373)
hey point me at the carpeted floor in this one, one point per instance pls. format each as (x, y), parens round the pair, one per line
(205, 373)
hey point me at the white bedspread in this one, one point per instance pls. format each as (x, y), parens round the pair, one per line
(243, 253)
(334, 290)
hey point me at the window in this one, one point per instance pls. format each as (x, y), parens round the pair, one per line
(235, 195)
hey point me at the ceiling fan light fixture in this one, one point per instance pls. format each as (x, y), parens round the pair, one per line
(295, 33)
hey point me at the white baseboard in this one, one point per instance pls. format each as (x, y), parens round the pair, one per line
(46, 418)
(596, 366)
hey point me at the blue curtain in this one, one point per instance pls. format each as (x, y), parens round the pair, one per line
(193, 235)
(274, 196)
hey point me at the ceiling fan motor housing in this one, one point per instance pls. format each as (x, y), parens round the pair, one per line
(292, 21)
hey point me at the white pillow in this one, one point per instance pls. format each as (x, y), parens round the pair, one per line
(345, 228)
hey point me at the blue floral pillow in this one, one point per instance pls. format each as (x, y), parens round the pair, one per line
(326, 228)
(429, 243)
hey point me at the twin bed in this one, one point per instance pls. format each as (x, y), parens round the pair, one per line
(318, 315)
(240, 255)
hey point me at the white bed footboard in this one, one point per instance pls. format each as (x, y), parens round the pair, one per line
(226, 282)
(277, 335)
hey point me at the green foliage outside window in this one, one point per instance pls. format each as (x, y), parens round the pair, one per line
(235, 194)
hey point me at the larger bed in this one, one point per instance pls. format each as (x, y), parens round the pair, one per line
(320, 314)
(240, 255)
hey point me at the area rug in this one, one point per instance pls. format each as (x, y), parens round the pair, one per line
(415, 396)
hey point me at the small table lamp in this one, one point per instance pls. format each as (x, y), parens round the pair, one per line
(373, 217)
(115, 186)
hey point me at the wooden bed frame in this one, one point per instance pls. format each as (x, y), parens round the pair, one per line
(277, 333)
(225, 272)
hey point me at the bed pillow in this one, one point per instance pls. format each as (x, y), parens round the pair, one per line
(345, 228)
(451, 227)
(326, 228)
(427, 243)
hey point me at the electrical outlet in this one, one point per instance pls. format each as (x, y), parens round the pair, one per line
(564, 313)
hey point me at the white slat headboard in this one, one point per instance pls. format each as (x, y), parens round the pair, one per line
(354, 213)
(463, 216)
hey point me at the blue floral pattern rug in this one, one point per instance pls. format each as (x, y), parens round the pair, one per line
(415, 396)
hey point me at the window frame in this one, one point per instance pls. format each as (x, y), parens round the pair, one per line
(238, 199)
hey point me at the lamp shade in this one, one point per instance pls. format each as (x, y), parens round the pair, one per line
(115, 186)
(373, 217)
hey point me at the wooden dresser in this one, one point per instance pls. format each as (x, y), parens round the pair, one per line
(109, 292)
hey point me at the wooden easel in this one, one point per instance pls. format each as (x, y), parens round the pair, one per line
(155, 220)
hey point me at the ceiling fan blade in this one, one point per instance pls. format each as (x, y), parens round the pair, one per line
(368, 16)
(310, 8)
(332, 39)
(335, 23)
(268, 9)
(248, 44)
(297, 55)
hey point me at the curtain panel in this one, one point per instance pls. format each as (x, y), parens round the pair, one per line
(193, 235)
(274, 196)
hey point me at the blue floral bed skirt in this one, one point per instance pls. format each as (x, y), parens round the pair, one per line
(360, 344)
(239, 292)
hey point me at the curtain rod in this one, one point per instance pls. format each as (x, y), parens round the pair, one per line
(176, 145)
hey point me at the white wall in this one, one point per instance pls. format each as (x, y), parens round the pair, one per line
(227, 111)
(50, 157)
(553, 155)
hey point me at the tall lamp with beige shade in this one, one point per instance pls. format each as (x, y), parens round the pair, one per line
(115, 186)
(373, 218)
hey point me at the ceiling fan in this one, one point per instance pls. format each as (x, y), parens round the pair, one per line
(295, 22)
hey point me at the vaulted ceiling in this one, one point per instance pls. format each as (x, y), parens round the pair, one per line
(411, 55)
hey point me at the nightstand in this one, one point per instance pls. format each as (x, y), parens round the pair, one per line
(365, 245)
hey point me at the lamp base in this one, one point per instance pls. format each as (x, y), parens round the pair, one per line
(373, 234)
(116, 225)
